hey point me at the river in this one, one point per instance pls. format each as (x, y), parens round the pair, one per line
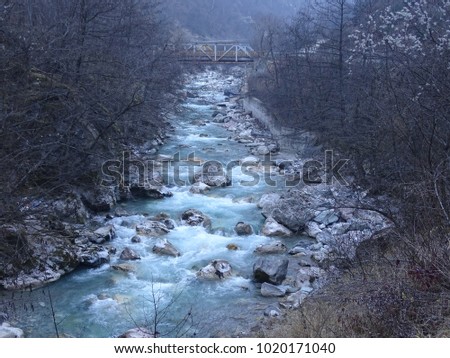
(103, 302)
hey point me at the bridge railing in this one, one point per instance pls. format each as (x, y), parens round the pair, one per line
(221, 51)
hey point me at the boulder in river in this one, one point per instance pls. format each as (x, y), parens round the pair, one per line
(103, 234)
(94, 256)
(149, 191)
(193, 217)
(243, 229)
(215, 270)
(273, 228)
(152, 228)
(271, 270)
(129, 254)
(199, 188)
(165, 219)
(124, 267)
(164, 247)
(212, 174)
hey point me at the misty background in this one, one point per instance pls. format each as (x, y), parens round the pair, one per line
(231, 19)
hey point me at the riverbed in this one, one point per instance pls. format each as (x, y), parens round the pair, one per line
(103, 302)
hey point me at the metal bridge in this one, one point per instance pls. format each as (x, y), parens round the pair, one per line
(217, 51)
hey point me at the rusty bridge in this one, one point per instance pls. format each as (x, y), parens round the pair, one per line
(217, 51)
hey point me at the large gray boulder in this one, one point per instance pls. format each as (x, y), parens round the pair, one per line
(294, 208)
(270, 270)
(273, 228)
(129, 254)
(103, 234)
(164, 247)
(243, 229)
(71, 209)
(152, 228)
(215, 270)
(101, 199)
(149, 191)
(268, 201)
(94, 256)
(269, 290)
(193, 217)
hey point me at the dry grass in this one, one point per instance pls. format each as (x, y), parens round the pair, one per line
(389, 291)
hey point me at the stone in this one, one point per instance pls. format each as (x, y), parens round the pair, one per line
(298, 249)
(164, 247)
(275, 248)
(268, 201)
(232, 247)
(295, 299)
(120, 212)
(273, 270)
(129, 254)
(165, 219)
(71, 209)
(215, 270)
(269, 290)
(199, 188)
(295, 208)
(326, 217)
(136, 239)
(308, 275)
(94, 256)
(193, 217)
(262, 150)
(273, 228)
(312, 229)
(272, 311)
(152, 228)
(212, 174)
(149, 191)
(243, 229)
(138, 332)
(7, 331)
(124, 267)
(103, 234)
(101, 199)
(250, 161)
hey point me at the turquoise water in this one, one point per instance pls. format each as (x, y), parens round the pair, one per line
(104, 303)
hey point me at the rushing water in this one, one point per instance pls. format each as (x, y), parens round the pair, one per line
(103, 302)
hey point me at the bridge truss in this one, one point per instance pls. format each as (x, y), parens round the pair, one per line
(218, 51)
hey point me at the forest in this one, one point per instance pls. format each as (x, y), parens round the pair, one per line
(371, 79)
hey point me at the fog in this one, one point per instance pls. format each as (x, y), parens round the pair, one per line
(231, 19)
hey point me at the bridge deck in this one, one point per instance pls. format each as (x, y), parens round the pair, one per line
(220, 51)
